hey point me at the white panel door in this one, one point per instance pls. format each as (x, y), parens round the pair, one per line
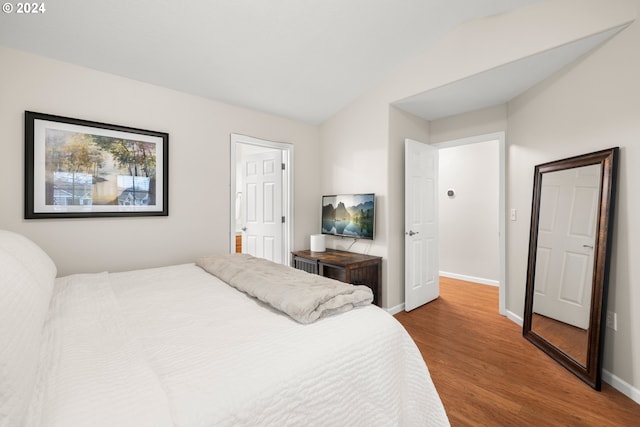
(422, 282)
(262, 185)
(566, 240)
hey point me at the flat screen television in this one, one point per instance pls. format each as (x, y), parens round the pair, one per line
(349, 215)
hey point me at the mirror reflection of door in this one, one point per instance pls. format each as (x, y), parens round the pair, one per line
(565, 258)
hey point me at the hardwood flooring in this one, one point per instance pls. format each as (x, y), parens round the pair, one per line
(487, 374)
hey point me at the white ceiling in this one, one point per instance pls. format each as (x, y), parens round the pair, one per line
(303, 59)
(501, 84)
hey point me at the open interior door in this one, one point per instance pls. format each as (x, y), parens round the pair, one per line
(421, 224)
(262, 217)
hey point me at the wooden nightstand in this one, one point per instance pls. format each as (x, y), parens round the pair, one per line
(348, 267)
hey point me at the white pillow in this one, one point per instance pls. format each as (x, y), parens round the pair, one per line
(27, 275)
(31, 256)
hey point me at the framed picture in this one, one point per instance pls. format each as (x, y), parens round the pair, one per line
(79, 169)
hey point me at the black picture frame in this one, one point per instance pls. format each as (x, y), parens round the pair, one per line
(81, 169)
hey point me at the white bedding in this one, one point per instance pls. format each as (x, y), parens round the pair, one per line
(176, 346)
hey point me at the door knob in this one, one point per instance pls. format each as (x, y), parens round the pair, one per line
(411, 232)
(244, 229)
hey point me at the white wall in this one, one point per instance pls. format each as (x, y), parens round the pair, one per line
(468, 222)
(592, 105)
(199, 157)
(480, 122)
(402, 125)
(352, 152)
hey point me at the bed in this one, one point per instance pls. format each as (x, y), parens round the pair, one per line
(177, 346)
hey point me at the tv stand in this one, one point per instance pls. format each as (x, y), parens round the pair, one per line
(348, 267)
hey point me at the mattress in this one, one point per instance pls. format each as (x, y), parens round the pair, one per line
(175, 346)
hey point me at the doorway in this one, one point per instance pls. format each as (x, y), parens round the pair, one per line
(261, 198)
(422, 202)
(493, 274)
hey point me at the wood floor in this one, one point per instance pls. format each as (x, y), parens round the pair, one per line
(487, 374)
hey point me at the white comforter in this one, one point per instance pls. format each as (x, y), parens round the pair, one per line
(176, 346)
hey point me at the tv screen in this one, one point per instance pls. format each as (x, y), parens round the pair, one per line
(349, 215)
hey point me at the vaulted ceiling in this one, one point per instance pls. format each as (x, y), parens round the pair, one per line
(501, 84)
(303, 59)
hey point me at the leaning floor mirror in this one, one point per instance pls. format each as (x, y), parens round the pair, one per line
(569, 257)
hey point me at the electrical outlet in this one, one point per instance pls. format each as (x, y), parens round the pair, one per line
(514, 215)
(612, 320)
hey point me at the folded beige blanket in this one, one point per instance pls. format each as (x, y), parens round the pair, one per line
(303, 296)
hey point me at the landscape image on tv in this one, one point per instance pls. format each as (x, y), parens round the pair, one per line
(349, 215)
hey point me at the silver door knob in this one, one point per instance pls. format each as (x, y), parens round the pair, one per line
(244, 229)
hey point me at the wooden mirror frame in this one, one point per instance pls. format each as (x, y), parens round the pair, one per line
(608, 159)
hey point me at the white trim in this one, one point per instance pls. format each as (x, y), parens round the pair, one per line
(395, 310)
(622, 386)
(287, 193)
(514, 318)
(502, 230)
(466, 278)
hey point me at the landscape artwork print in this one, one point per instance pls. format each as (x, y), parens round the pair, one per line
(92, 169)
(349, 215)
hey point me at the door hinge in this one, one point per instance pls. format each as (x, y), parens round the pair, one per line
(284, 166)
(283, 220)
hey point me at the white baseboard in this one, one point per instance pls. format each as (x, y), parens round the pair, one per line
(622, 386)
(470, 278)
(515, 318)
(395, 310)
